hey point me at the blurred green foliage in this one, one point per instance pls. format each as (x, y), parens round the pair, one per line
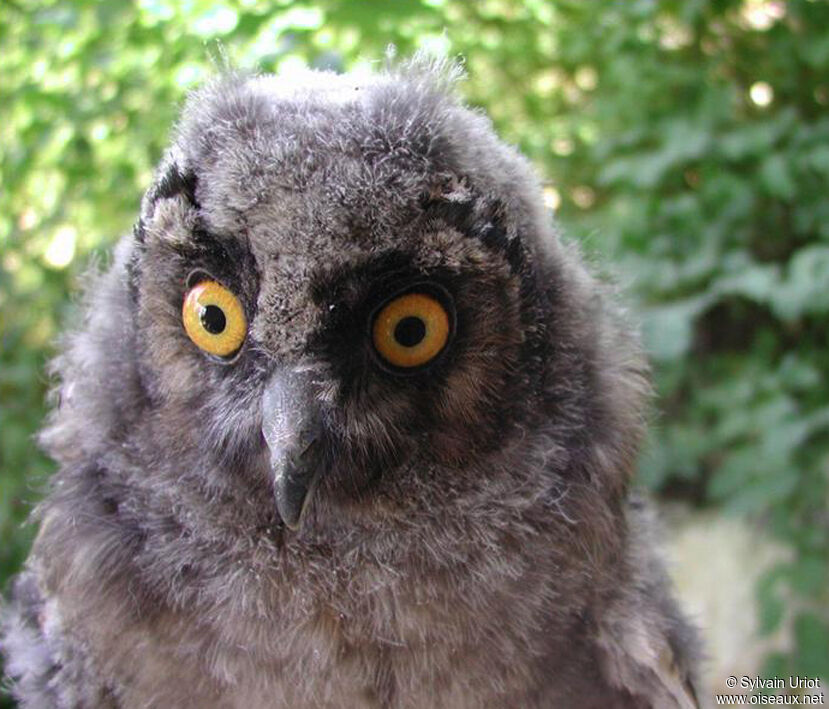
(685, 142)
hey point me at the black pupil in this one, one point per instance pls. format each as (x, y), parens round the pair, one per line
(410, 331)
(213, 319)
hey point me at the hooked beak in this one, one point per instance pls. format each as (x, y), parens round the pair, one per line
(292, 426)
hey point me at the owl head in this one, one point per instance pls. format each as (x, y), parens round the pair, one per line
(344, 306)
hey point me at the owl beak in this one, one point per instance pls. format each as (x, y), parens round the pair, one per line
(292, 427)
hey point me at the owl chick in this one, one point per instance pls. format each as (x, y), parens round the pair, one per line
(345, 425)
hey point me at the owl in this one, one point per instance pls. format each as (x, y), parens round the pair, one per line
(345, 423)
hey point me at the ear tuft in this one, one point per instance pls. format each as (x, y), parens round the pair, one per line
(175, 182)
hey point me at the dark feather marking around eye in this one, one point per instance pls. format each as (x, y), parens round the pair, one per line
(212, 247)
(483, 221)
(384, 271)
(225, 258)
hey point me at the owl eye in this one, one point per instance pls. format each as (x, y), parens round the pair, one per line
(214, 318)
(411, 330)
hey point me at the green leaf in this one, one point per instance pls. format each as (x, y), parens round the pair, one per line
(667, 330)
(809, 575)
(770, 601)
(811, 633)
(805, 288)
(776, 177)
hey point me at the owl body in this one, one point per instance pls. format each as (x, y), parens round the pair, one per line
(386, 466)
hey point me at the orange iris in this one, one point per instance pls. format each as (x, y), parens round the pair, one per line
(214, 318)
(411, 330)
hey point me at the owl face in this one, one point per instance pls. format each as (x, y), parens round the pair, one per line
(339, 295)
